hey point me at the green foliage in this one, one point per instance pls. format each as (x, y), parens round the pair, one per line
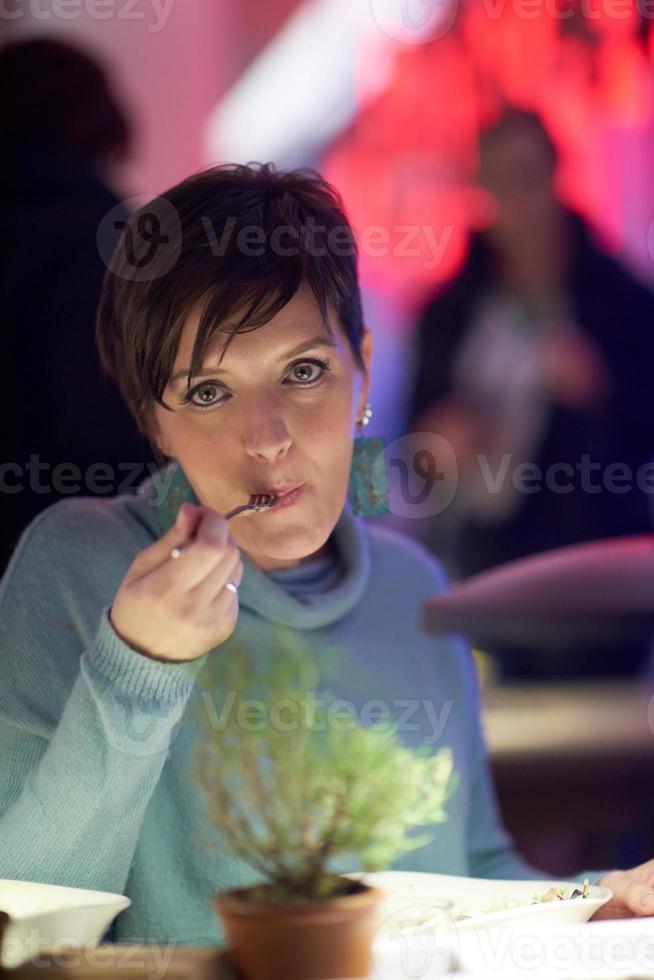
(290, 788)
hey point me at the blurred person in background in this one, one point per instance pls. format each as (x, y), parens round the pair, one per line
(62, 132)
(540, 352)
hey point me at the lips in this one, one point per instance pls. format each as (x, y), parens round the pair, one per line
(280, 490)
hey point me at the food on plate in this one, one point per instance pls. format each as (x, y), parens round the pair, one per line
(551, 895)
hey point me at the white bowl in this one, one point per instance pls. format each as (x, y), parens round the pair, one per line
(52, 916)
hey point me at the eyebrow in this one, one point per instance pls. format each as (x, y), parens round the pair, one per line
(321, 341)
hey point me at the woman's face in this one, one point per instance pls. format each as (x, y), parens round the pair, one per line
(272, 415)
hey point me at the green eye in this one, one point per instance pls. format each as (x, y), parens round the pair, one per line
(204, 387)
(323, 365)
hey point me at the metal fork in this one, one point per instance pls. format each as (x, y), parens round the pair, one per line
(258, 502)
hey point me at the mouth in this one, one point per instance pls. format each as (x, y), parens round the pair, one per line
(281, 491)
(285, 496)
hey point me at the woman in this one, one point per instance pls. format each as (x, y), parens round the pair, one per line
(111, 609)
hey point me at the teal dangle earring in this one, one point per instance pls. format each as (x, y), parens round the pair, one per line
(368, 489)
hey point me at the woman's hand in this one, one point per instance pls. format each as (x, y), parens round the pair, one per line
(633, 892)
(176, 610)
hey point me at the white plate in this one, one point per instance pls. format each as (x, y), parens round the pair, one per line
(414, 898)
(52, 916)
(420, 936)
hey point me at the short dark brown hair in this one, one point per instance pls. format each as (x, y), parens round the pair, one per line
(203, 231)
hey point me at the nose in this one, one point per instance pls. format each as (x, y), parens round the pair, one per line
(266, 434)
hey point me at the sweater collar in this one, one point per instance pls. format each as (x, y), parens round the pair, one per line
(163, 493)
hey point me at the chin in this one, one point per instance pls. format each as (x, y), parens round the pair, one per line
(292, 543)
(295, 548)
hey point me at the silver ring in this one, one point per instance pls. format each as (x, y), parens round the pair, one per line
(232, 586)
(177, 552)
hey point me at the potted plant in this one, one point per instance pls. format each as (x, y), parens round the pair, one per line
(290, 789)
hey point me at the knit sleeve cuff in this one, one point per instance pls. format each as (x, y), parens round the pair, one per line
(137, 675)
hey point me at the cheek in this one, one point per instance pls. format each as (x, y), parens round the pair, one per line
(328, 422)
(184, 441)
(198, 448)
(327, 441)
(325, 430)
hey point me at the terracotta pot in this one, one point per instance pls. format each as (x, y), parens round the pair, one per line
(316, 940)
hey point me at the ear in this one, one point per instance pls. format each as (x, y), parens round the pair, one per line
(366, 353)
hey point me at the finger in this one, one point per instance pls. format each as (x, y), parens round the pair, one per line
(198, 556)
(214, 526)
(201, 565)
(230, 567)
(156, 554)
(637, 897)
(210, 549)
(225, 607)
(234, 575)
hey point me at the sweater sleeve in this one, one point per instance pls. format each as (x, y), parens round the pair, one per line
(84, 730)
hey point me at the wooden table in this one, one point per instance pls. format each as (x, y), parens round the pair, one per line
(574, 770)
(118, 961)
(125, 962)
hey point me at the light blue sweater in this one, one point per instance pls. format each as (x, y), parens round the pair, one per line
(96, 740)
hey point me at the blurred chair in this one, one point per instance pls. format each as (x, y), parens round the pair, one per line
(599, 593)
(572, 762)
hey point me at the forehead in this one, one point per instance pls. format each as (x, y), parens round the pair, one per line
(298, 321)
